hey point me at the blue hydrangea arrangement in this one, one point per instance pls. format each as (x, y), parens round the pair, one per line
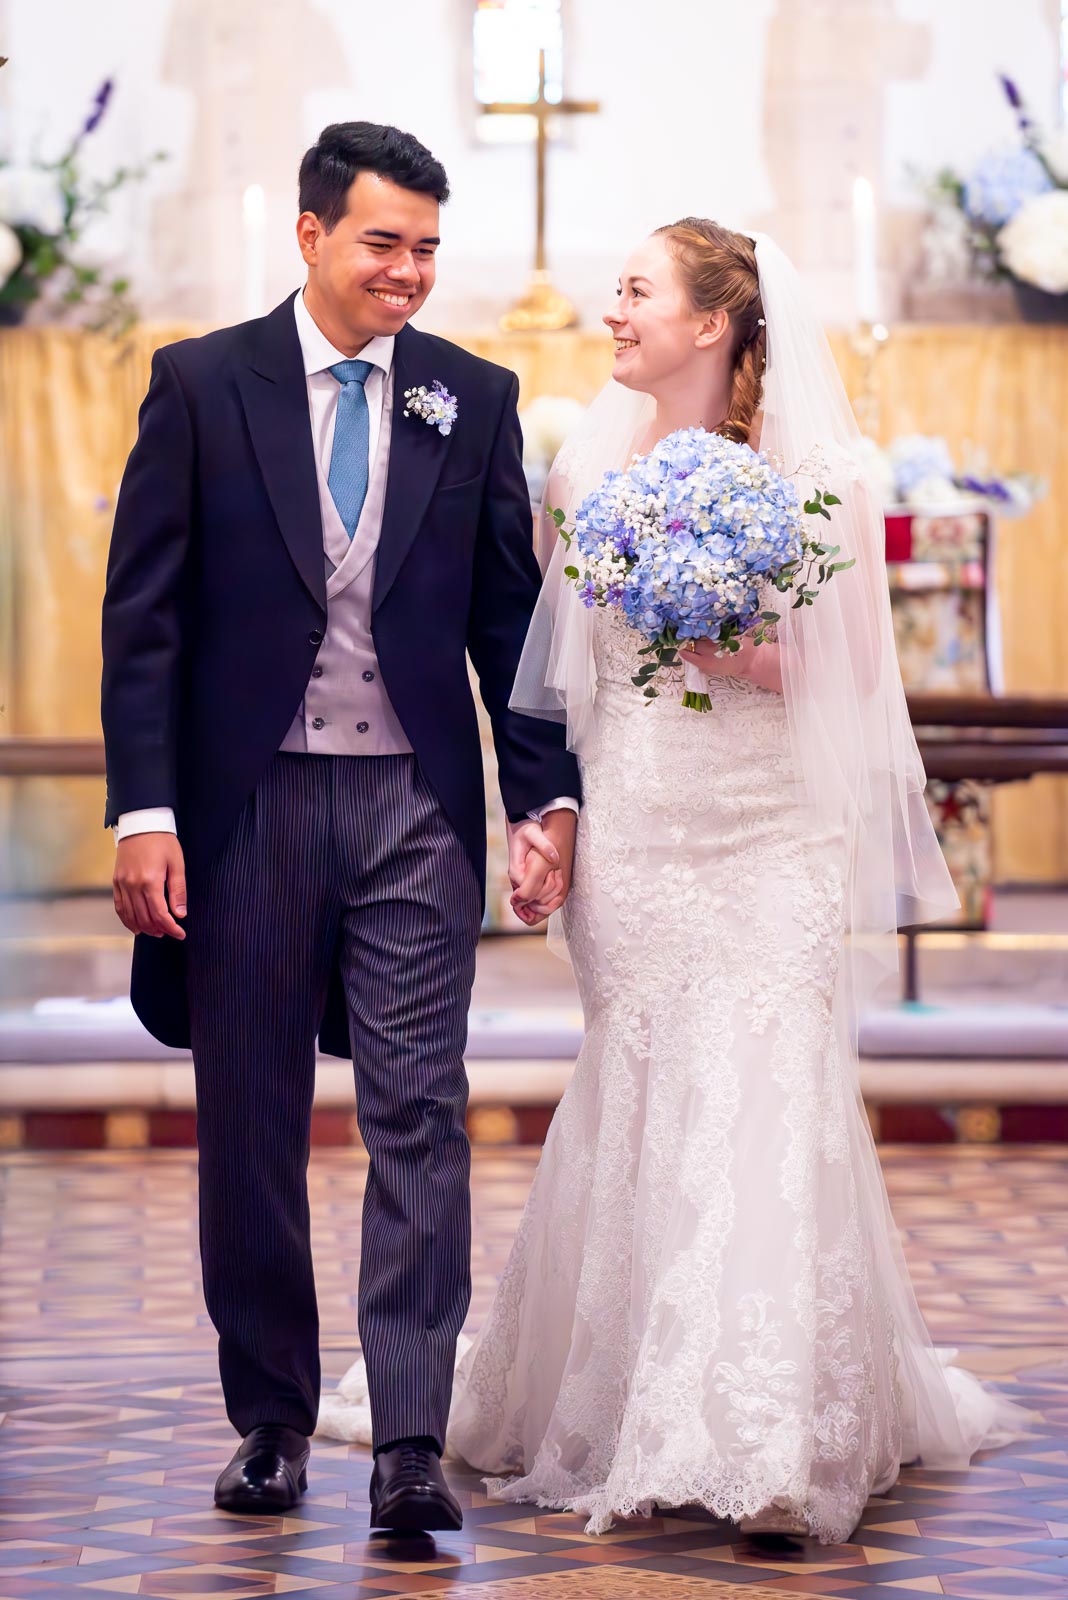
(682, 543)
(1000, 182)
(1008, 216)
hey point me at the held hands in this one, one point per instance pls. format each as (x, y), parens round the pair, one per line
(149, 884)
(540, 857)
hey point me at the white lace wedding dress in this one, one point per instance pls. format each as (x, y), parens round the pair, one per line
(705, 1301)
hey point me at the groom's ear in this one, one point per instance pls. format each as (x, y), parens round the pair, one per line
(309, 233)
(714, 328)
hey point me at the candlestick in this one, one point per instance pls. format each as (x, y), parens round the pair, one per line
(253, 228)
(864, 251)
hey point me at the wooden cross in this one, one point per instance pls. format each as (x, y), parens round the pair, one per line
(542, 306)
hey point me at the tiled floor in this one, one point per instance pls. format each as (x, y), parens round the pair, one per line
(114, 1429)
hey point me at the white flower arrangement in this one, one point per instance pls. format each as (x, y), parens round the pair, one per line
(1008, 216)
(30, 197)
(1034, 244)
(546, 422)
(10, 252)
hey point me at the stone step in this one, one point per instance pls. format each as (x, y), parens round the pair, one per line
(72, 1031)
(989, 966)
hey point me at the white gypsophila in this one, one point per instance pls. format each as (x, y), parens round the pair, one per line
(1034, 245)
(946, 246)
(10, 252)
(31, 199)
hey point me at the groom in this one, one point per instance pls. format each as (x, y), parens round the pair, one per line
(299, 566)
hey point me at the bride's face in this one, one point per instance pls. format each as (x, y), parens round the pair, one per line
(658, 335)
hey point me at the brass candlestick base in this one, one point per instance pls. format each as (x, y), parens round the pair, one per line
(868, 341)
(542, 309)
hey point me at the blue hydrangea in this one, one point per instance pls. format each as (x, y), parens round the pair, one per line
(686, 537)
(918, 458)
(1001, 182)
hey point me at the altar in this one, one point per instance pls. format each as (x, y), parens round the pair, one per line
(68, 410)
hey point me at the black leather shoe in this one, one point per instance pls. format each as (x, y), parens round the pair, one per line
(268, 1472)
(409, 1493)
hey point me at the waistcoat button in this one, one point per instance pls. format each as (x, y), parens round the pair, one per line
(317, 672)
(318, 722)
(368, 677)
(361, 727)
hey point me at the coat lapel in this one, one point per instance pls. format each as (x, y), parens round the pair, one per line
(416, 456)
(275, 397)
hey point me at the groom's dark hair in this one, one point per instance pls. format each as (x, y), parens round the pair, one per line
(345, 149)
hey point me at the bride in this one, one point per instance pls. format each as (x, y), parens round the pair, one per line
(706, 1303)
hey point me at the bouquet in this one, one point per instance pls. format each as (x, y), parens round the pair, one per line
(682, 543)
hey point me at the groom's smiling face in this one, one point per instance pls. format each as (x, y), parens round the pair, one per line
(375, 268)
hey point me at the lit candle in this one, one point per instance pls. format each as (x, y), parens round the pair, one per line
(864, 263)
(254, 218)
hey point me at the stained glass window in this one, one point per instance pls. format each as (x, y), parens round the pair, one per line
(508, 35)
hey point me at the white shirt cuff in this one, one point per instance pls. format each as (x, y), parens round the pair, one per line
(157, 819)
(564, 803)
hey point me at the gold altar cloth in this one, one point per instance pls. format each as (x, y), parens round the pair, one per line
(68, 416)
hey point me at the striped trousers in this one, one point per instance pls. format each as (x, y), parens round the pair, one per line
(335, 861)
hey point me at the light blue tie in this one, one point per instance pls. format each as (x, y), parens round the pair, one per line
(352, 431)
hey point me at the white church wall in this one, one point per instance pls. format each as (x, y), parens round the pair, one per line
(760, 113)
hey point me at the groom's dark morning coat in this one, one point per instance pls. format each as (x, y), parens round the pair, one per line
(216, 601)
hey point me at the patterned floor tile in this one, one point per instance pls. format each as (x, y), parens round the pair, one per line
(113, 1431)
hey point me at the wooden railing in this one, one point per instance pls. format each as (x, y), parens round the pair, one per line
(51, 758)
(992, 738)
(998, 738)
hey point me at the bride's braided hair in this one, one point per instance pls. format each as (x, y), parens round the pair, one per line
(718, 270)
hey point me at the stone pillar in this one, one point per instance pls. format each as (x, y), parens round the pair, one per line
(247, 69)
(828, 63)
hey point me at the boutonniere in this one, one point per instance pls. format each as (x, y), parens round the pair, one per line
(434, 406)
